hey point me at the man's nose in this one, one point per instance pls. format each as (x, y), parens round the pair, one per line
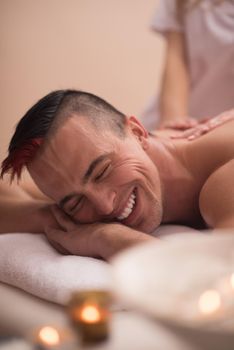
(103, 201)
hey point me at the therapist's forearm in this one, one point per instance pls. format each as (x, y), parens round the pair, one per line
(174, 98)
(175, 81)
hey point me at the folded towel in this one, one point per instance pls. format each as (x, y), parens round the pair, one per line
(29, 262)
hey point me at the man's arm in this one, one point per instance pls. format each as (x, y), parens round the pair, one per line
(217, 198)
(20, 212)
(32, 190)
(100, 240)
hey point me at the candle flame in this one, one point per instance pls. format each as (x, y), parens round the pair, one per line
(232, 281)
(90, 314)
(49, 336)
(209, 302)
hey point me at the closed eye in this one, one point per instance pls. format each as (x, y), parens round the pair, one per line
(102, 173)
(75, 206)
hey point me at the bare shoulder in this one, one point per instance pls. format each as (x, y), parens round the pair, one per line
(210, 151)
(217, 197)
(222, 135)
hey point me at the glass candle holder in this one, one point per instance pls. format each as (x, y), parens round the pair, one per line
(90, 315)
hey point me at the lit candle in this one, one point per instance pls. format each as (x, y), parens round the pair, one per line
(89, 313)
(232, 281)
(209, 302)
(50, 338)
(47, 337)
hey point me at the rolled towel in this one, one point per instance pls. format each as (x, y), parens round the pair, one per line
(29, 262)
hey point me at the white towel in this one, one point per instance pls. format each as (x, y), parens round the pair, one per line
(29, 262)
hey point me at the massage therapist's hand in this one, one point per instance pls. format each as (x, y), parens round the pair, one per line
(101, 240)
(178, 124)
(205, 126)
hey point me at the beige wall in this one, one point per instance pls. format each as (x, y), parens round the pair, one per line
(102, 46)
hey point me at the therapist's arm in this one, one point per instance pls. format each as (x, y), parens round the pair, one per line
(175, 83)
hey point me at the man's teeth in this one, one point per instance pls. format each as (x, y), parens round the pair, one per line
(129, 207)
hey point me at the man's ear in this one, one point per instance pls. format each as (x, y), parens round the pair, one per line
(138, 130)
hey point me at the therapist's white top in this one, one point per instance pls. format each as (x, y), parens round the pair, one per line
(209, 38)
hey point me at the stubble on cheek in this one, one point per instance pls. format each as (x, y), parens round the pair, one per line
(151, 218)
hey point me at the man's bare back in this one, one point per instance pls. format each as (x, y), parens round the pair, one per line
(211, 159)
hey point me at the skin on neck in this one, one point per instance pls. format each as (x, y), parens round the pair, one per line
(180, 189)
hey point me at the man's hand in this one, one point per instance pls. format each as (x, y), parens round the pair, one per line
(100, 240)
(205, 126)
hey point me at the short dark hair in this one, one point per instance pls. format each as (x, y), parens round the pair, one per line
(47, 115)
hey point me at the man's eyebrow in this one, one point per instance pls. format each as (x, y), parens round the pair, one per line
(92, 166)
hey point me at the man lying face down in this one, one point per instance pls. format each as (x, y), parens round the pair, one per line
(114, 183)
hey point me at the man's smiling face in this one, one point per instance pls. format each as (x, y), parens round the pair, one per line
(94, 175)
